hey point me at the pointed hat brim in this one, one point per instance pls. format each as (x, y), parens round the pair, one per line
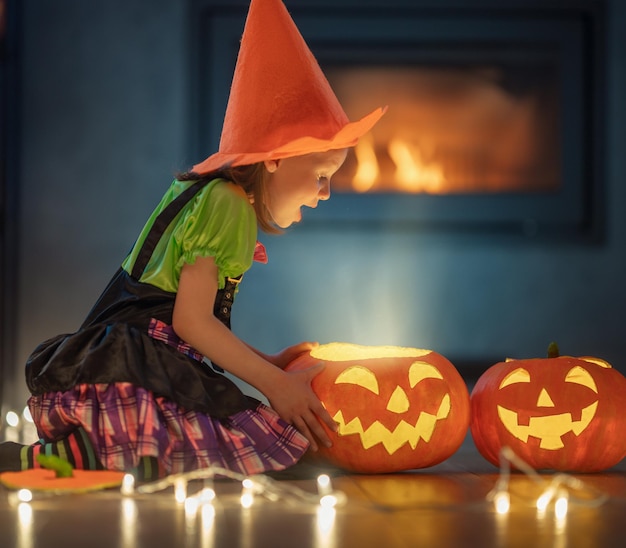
(346, 137)
(280, 102)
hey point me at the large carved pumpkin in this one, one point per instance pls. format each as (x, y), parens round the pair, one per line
(558, 413)
(397, 408)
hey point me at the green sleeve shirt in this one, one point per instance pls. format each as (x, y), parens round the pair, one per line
(218, 222)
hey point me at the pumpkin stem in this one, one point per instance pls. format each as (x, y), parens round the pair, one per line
(553, 350)
(62, 468)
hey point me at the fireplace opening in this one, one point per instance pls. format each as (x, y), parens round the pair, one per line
(488, 128)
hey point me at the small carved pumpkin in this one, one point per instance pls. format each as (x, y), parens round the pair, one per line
(396, 408)
(558, 413)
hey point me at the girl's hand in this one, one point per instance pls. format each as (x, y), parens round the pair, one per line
(283, 358)
(294, 400)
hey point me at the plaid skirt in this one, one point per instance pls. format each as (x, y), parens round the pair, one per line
(126, 422)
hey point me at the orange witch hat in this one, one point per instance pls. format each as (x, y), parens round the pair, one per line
(280, 102)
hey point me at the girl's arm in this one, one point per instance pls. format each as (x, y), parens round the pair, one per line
(289, 393)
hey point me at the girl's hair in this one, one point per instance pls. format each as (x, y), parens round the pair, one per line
(252, 179)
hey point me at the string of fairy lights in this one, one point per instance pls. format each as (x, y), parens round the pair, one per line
(251, 487)
(558, 491)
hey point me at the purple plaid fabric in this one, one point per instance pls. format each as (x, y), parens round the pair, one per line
(162, 332)
(126, 422)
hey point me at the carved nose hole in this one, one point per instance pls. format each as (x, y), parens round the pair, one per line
(398, 403)
(544, 399)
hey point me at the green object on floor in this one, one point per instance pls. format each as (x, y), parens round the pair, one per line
(62, 468)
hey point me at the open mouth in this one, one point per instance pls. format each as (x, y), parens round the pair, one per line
(402, 434)
(548, 429)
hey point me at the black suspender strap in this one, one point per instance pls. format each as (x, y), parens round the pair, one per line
(161, 223)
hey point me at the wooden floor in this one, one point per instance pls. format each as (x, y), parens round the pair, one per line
(446, 505)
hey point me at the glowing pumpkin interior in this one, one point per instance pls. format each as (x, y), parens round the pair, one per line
(340, 351)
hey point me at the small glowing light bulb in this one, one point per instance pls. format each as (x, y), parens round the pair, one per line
(247, 495)
(24, 495)
(328, 501)
(180, 490)
(543, 501)
(502, 502)
(12, 419)
(128, 484)
(26, 414)
(323, 485)
(207, 495)
(560, 506)
(246, 500)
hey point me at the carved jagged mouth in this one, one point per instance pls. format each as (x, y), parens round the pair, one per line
(402, 434)
(547, 429)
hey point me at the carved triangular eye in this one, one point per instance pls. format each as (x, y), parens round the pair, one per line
(359, 375)
(422, 370)
(516, 376)
(581, 376)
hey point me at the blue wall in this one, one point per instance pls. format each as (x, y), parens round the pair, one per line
(105, 123)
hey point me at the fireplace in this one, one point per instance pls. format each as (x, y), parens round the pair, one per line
(494, 123)
(478, 128)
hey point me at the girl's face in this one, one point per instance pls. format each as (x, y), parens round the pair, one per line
(300, 181)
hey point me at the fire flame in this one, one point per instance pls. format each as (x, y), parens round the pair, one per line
(412, 173)
(367, 166)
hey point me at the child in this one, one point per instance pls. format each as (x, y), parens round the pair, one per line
(133, 388)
